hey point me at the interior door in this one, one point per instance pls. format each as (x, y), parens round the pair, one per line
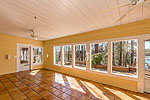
(24, 57)
(147, 66)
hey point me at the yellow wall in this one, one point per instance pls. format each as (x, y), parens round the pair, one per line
(8, 45)
(137, 28)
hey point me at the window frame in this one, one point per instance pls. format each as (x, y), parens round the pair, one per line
(75, 67)
(54, 55)
(137, 37)
(140, 55)
(35, 64)
(62, 61)
(134, 76)
(105, 72)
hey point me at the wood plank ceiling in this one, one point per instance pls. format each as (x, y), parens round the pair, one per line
(59, 18)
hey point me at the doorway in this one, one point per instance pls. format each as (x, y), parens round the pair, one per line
(147, 67)
(23, 57)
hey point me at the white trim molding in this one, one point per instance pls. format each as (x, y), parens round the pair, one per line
(139, 78)
(18, 56)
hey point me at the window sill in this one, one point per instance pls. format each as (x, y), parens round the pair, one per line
(66, 66)
(57, 65)
(77, 67)
(124, 75)
(99, 71)
(37, 64)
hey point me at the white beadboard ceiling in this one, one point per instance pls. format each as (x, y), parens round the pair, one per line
(59, 18)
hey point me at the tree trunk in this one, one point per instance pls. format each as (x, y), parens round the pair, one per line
(96, 48)
(81, 53)
(59, 56)
(68, 53)
(84, 53)
(132, 52)
(77, 53)
(120, 60)
(123, 59)
(126, 53)
(113, 62)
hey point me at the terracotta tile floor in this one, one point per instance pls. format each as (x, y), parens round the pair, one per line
(49, 85)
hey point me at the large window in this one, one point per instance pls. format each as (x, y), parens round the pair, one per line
(99, 57)
(37, 55)
(67, 56)
(124, 57)
(57, 55)
(80, 56)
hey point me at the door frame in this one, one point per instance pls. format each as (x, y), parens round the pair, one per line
(18, 59)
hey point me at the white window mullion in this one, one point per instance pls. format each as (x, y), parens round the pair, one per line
(88, 56)
(53, 55)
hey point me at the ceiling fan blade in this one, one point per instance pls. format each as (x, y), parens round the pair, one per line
(43, 38)
(119, 6)
(125, 14)
(32, 31)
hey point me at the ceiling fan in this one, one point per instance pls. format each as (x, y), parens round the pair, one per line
(133, 4)
(35, 36)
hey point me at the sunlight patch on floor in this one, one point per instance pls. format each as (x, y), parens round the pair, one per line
(34, 72)
(74, 84)
(59, 79)
(119, 93)
(94, 90)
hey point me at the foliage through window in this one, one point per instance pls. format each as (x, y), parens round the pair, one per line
(80, 56)
(67, 56)
(99, 57)
(124, 57)
(37, 55)
(57, 53)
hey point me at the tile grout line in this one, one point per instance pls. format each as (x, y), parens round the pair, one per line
(55, 88)
(41, 81)
(68, 89)
(42, 87)
(47, 84)
(30, 87)
(18, 88)
(52, 86)
(6, 89)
